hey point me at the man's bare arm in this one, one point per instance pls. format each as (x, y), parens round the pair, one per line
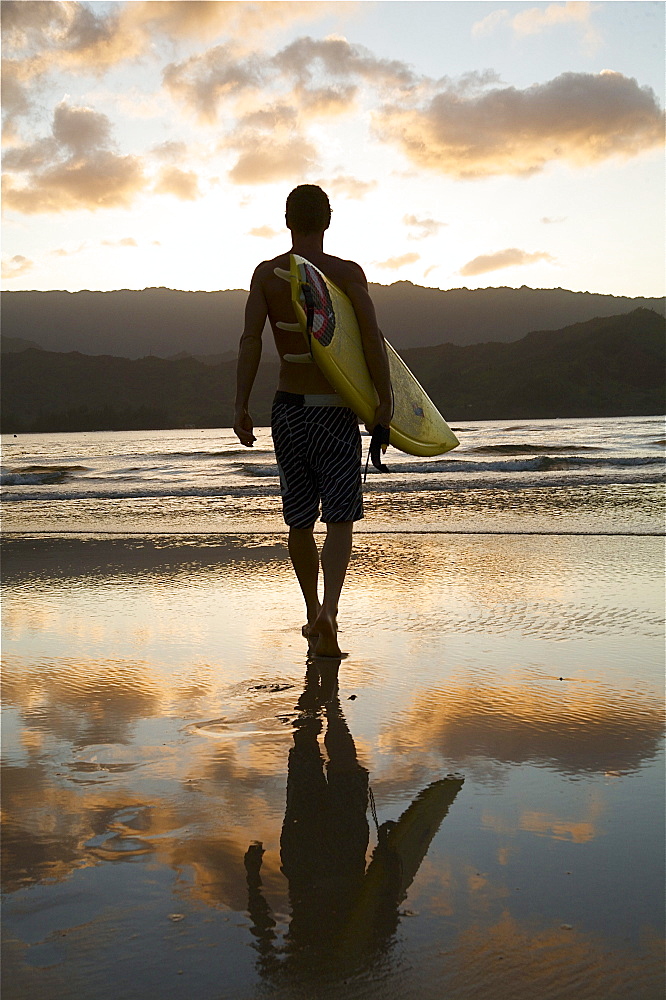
(249, 356)
(374, 349)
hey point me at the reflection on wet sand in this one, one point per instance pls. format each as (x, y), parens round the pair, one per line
(573, 727)
(341, 915)
(150, 728)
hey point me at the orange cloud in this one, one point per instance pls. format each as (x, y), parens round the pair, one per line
(271, 148)
(183, 184)
(580, 118)
(40, 38)
(308, 58)
(424, 227)
(264, 232)
(317, 76)
(75, 35)
(72, 168)
(267, 161)
(126, 241)
(16, 266)
(393, 263)
(202, 82)
(349, 187)
(503, 258)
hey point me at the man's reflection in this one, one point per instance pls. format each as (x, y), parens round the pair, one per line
(341, 914)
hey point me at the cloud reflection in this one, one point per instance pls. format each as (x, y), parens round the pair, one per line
(571, 727)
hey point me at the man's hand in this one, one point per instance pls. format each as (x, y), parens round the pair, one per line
(243, 428)
(382, 416)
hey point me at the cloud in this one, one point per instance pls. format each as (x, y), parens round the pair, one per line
(424, 227)
(266, 162)
(309, 59)
(72, 35)
(72, 168)
(552, 222)
(68, 35)
(535, 20)
(348, 187)
(321, 77)
(16, 97)
(202, 82)
(393, 263)
(16, 266)
(183, 184)
(511, 257)
(170, 151)
(488, 24)
(126, 241)
(64, 252)
(40, 38)
(264, 232)
(579, 118)
(270, 147)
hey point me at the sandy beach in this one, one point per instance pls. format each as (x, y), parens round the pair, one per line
(502, 700)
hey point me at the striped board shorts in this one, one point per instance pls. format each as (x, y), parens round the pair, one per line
(318, 449)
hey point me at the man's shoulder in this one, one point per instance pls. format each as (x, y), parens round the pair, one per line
(349, 265)
(267, 267)
(343, 272)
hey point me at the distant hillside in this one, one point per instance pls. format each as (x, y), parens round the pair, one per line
(611, 366)
(164, 322)
(12, 344)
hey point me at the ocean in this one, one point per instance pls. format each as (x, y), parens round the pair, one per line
(545, 476)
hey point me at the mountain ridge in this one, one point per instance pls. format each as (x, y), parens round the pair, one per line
(608, 366)
(164, 322)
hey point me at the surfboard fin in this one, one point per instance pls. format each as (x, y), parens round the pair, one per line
(299, 359)
(292, 327)
(281, 273)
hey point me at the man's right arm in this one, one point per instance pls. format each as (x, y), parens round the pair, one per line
(249, 355)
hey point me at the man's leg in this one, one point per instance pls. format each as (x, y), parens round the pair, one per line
(334, 561)
(305, 560)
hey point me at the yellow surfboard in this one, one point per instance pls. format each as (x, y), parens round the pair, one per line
(327, 320)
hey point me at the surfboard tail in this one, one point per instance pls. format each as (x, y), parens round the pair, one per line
(395, 862)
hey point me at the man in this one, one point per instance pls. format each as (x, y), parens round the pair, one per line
(316, 438)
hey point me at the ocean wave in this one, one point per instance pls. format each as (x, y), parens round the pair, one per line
(540, 463)
(376, 483)
(530, 449)
(258, 471)
(37, 475)
(30, 478)
(225, 453)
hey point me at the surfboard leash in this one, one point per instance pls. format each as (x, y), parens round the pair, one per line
(379, 442)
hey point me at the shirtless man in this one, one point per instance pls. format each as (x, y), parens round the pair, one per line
(317, 440)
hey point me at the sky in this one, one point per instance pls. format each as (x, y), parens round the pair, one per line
(462, 144)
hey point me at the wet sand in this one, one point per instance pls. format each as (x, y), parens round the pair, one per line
(500, 713)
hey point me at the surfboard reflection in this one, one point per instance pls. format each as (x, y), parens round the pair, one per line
(342, 915)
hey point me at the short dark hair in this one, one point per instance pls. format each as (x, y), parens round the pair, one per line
(308, 209)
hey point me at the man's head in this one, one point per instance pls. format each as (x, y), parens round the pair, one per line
(308, 210)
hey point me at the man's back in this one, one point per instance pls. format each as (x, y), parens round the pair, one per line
(301, 378)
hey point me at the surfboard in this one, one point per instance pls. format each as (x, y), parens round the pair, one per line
(395, 862)
(327, 320)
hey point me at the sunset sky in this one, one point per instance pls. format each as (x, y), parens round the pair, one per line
(462, 144)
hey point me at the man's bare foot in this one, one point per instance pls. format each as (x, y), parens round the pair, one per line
(327, 643)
